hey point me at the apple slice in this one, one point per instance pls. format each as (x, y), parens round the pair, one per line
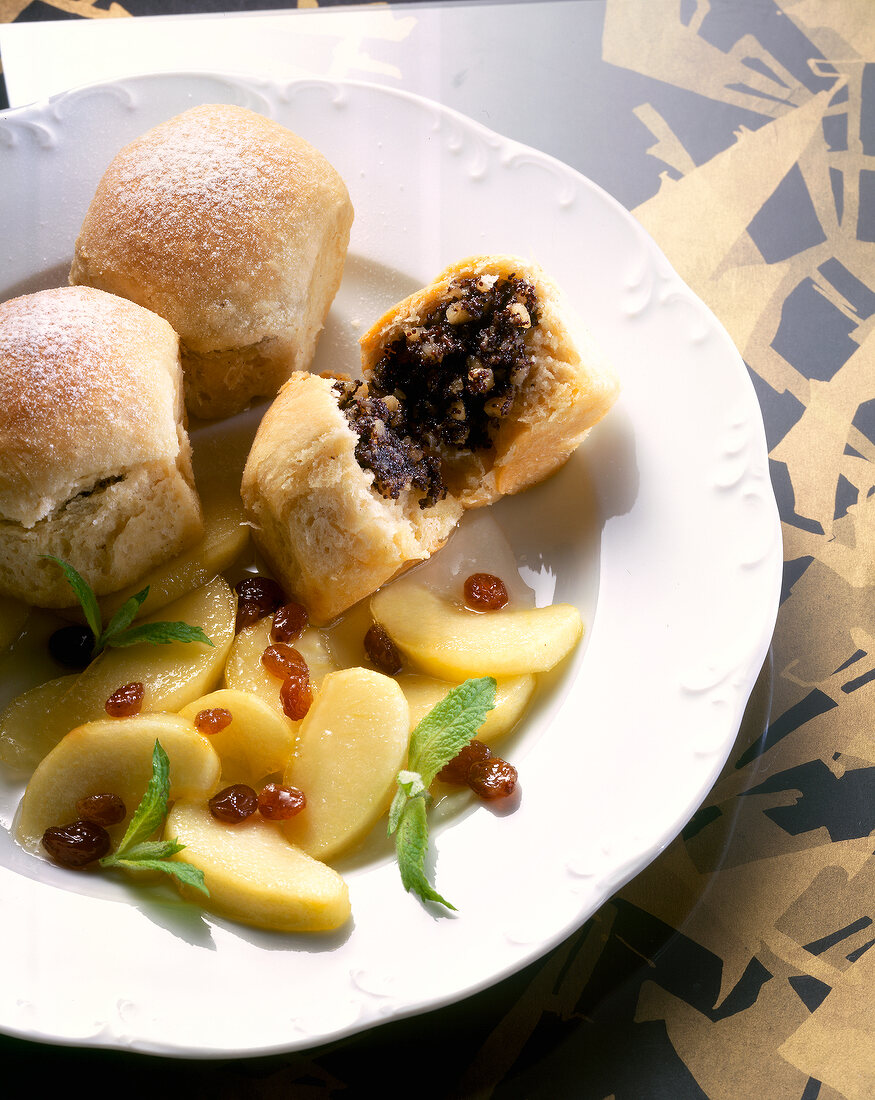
(172, 675)
(245, 672)
(113, 756)
(512, 696)
(257, 741)
(218, 460)
(254, 875)
(453, 643)
(351, 746)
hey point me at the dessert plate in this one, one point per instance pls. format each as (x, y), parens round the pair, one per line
(662, 528)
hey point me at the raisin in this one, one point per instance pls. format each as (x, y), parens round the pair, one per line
(76, 845)
(493, 778)
(101, 809)
(283, 660)
(256, 597)
(296, 695)
(72, 646)
(382, 651)
(125, 700)
(485, 592)
(212, 720)
(456, 771)
(278, 803)
(234, 804)
(289, 623)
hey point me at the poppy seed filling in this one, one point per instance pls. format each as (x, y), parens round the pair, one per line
(447, 382)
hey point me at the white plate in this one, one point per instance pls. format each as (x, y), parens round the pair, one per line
(684, 552)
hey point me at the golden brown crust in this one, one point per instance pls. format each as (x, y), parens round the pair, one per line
(330, 538)
(95, 462)
(235, 230)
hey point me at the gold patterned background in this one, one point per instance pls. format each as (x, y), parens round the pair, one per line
(738, 964)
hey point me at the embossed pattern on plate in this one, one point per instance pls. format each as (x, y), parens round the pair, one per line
(622, 745)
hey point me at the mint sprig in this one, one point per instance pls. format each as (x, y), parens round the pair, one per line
(119, 631)
(136, 851)
(440, 736)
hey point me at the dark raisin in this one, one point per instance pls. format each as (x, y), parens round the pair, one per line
(76, 845)
(485, 592)
(289, 623)
(279, 803)
(283, 660)
(493, 778)
(382, 651)
(125, 700)
(101, 809)
(458, 768)
(296, 695)
(256, 597)
(72, 646)
(234, 804)
(212, 720)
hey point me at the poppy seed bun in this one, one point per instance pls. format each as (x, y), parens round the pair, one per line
(95, 462)
(568, 388)
(325, 532)
(349, 483)
(233, 229)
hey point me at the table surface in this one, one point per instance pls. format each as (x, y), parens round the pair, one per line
(738, 963)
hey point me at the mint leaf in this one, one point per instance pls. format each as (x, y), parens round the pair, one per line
(450, 725)
(185, 872)
(159, 634)
(120, 632)
(440, 736)
(84, 594)
(137, 852)
(411, 844)
(122, 619)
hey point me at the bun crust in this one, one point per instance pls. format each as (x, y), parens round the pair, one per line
(233, 229)
(327, 534)
(329, 484)
(95, 462)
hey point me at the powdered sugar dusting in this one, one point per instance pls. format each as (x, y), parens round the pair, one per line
(84, 393)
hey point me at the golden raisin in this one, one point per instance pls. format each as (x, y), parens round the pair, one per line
(456, 771)
(101, 809)
(212, 720)
(296, 695)
(493, 778)
(382, 651)
(277, 802)
(289, 623)
(485, 592)
(283, 660)
(234, 804)
(126, 700)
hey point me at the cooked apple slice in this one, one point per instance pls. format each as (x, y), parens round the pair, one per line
(453, 643)
(254, 875)
(351, 746)
(245, 672)
(512, 696)
(113, 756)
(256, 742)
(172, 675)
(218, 466)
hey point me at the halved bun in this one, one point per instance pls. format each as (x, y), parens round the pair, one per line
(95, 462)
(326, 533)
(235, 230)
(479, 385)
